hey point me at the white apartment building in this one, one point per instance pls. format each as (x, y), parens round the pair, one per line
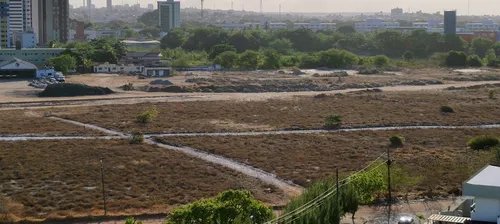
(315, 25)
(19, 17)
(429, 24)
(371, 25)
(483, 26)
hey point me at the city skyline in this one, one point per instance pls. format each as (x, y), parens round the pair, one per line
(477, 7)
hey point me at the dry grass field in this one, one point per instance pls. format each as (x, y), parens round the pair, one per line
(439, 158)
(356, 109)
(17, 122)
(57, 179)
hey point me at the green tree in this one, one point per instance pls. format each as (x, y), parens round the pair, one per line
(310, 61)
(282, 46)
(481, 45)
(346, 30)
(337, 58)
(496, 48)
(151, 32)
(380, 60)
(490, 57)
(390, 42)
(128, 33)
(408, 56)
(249, 60)
(350, 200)
(220, 48)
(227, 207)
(243, 41)
(456, 59)
(227, 59)
(149, 18)
(63, 63)
(454, 43)
(474, 61)
(174, 39)
(271, 59)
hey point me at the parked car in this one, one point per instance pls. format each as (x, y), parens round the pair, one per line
(406, 220)
(59, 77)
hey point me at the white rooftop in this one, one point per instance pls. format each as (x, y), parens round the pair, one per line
(489, 176)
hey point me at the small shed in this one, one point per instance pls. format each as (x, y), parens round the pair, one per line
(484, 186)
(446, 219)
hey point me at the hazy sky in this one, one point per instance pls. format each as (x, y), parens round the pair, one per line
(477, 7)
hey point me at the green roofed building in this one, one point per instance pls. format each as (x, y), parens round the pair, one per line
(37, 56)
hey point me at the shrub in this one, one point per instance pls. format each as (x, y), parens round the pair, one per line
(408, 56)
(131, 220)
(137, 138)
(483, 142)
(147, 116)
(333, 121)
(491, 94)
(456, 58)
(446, 109)
(381, 61)
(128, 87)
(474, 61)
(396, 141)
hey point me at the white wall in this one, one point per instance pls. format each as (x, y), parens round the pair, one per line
(487, 210)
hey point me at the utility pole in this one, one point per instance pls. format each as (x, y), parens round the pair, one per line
(389, 201)
(337, 180)
(232, 6)
(103, 191)
(261, 6)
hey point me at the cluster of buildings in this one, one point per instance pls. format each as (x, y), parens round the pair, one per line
(481, 201)
(314, 25)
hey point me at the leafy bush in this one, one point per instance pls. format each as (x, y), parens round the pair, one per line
(456, 59)
(483, 142)
(381, 60)
(446, 109)
(72, 89)
(408, 56)
(491, 94)
(131, 220)
(147, 116)
(128, 87)
(474, 61)
(137, 138)
(369, 70)
(228, 207)
(396, 141)
(333, 121)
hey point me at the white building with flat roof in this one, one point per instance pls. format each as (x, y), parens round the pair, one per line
(371, 25)
(484, 186)
(483, 26)
(315, 25)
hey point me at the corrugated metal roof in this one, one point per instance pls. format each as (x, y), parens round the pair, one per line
(447, 218)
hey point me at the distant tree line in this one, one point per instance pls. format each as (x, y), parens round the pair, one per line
(260, 48)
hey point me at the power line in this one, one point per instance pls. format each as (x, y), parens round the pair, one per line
(325, 194)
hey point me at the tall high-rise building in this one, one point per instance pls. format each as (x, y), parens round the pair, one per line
(109, 4)
(51, 20)
(450, 22)
(19, 17)
(169, 15)
(4, 24)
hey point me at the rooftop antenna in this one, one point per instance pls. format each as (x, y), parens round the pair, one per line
(202, 1)
(260, 6)
(280, 9)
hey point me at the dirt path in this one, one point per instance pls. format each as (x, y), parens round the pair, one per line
(313, 131)
(134, 97)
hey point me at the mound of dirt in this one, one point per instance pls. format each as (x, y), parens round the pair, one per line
(161, 82)
(72, 89)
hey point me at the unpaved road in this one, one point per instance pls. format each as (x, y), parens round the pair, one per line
(135, 97)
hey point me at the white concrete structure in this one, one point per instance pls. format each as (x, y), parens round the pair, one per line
(169, 14)
(114, 68)
(371, 25)
(485, 188)
(315, 25)
(28, 39)
(483, 26)
(157, 71)
(429, 24)
(231, 26)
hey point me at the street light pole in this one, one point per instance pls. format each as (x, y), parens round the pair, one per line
(103, 191)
